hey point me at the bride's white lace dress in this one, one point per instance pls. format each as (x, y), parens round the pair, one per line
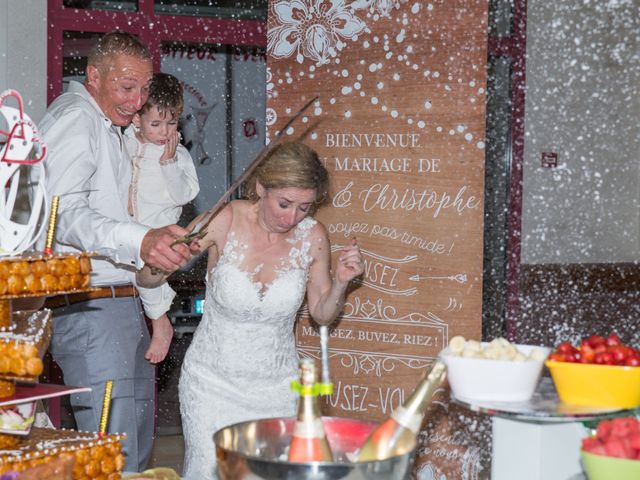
(242, 357)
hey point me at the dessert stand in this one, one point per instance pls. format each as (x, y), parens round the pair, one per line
(540, 438)
(29, 278)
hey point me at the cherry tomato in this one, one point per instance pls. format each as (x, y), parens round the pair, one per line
(620, 353)
(569, 357)
(613, 340)
(607, 358)
(588, 354)
(600, 348)
(565, 347)
(632, 361)
(595, 340)
(556, 357)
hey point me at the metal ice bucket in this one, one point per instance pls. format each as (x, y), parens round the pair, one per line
(258, 450)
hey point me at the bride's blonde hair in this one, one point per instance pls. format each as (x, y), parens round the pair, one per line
(290, 165)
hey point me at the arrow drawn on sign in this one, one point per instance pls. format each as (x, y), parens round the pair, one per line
(460, 278)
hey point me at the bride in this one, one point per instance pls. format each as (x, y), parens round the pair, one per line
(264, 254)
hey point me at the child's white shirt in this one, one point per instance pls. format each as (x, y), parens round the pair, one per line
(156, 196)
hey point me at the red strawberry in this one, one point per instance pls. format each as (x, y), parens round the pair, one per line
(590, 443)
(598, 450)
(604, 429)
(623, 426)
(634, 440)
(615, 448)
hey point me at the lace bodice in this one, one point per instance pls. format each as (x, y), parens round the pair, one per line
(243, 355)
(249, 324)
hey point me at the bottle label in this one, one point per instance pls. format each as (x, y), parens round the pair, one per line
(409, 420)
(313, 429)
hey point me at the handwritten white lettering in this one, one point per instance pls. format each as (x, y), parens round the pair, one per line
(380, 273)
(350, 398)
(348, 229)
(386, 197)
(342, 198)
(390, 399)
(360, 398)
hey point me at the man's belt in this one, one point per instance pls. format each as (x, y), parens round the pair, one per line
(100, 292)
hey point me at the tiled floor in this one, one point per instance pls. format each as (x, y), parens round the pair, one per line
(168, 451)
(168, 447)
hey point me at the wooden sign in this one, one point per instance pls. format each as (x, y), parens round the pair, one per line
(399, 123)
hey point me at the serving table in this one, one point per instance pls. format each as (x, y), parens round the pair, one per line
(539, 439)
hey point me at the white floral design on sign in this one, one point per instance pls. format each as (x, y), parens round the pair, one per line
(383, 7)
(313, 29)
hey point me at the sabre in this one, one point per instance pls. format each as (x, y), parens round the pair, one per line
(200, 229)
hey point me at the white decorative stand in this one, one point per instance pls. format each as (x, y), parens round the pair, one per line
(536, 451)
(21, 146)
(539, 439)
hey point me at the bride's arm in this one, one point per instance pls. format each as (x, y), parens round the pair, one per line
(149, 278)
(326, 294)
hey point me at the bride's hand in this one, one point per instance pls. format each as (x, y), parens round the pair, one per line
(350, 263)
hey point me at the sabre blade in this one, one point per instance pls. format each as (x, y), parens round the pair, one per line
(200, 230)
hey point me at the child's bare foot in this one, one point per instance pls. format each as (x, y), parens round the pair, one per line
(160, 339)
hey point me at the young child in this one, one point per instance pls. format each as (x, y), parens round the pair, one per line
(164, 179)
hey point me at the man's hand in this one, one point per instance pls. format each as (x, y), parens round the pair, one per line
(156, 250)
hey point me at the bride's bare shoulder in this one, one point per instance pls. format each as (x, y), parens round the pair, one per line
(240, 206)
(233, 216)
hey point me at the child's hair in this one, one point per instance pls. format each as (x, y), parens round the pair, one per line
(165, 93)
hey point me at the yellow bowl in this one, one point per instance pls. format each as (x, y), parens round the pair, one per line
(600, 467)
(596, 385)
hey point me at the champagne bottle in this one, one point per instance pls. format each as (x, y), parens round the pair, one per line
(398, 434)
(309, 442)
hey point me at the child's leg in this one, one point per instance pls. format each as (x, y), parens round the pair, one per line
(160, 339)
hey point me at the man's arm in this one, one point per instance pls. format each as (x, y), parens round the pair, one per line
(71, 163)
(73, 142)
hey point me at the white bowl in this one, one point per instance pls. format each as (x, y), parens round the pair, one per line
(485, 380)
